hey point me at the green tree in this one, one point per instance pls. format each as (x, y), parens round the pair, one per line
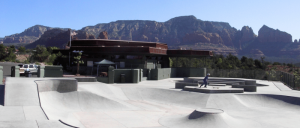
(78, 61)
(258, 64)
(11, 56)
(13, 48)
(171, 62)
(50, 49)
(2, 52)
(22, 50)
(41, 53)
(232, 61)
(276, 63)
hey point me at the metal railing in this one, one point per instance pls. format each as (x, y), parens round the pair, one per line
(293, 81)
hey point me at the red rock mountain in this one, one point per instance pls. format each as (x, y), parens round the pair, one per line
(103, 35)
(59, 38)
(29, 35)
(82, 35)
(267, 34)
(182, 31)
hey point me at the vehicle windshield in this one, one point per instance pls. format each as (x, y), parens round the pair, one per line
(25, 66)
(30, 66)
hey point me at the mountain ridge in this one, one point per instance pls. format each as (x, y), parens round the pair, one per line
(182, 31)
(29, 35)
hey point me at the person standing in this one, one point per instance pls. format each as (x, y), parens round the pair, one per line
(205, 80)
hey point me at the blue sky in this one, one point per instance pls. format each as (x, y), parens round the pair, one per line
(17, 15)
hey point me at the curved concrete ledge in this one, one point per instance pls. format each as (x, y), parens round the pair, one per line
(59, 85)
(247, 88)
(200, 112)
(86, 79)
(214, 90)
(181, 85)
(220, 79)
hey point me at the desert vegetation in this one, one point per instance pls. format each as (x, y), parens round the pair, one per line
(39, 54)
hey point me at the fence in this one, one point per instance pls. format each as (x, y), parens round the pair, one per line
(293, 81)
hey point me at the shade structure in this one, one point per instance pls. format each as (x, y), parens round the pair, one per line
(103, 62)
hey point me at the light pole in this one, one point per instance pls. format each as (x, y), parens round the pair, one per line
(78, 61)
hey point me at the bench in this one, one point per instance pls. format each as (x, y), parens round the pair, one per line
(247, 88)
(181, 85)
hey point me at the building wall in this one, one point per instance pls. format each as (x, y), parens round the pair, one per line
(128, 75)
(138, 75)
(102, 79)
(163, 73)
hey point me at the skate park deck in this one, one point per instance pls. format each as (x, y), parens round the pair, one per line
(151, 104)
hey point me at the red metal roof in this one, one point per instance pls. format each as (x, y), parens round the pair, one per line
(118, 47)
(189, 53)
(120, 50)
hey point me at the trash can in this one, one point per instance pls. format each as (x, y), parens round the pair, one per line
(122, 78)
(28, 74)
(12, 71)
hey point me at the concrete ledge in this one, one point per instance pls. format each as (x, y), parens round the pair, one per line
(216, 84)
(102, 79)
(214, 90)
(217, 79)
(59, 85)
(250, 82)
(53, 71)
(86, 79)
(181, 85)
(247, 88)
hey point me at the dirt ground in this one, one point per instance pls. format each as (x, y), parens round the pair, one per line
(22, 58)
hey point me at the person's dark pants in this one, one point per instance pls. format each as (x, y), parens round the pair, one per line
(204, 82)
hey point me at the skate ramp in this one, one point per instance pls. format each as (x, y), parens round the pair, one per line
(65, 106)
(241, 111)
(94, 104)
(207, 118)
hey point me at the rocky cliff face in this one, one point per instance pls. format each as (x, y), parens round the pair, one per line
(59, 38)
(198, 37)
(28, 36)
(103, 35)
(53, 37)
(178, 31)
(247, 34)
(266, 35)
(173, 32)
(82, 35)
(243, 37)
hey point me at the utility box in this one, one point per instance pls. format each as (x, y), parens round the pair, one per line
(122, 77)
(111, 74)
(41, 71)
(15, 71)
(53, 71)
(135, 74)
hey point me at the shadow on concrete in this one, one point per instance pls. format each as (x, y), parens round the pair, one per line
(2, 94)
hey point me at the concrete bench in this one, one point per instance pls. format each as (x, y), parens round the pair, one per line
(246, 81)
(225, 82)
(214, 90)
(181, 85)
(247, 88)
(86, 79)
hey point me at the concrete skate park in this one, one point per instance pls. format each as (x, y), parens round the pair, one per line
(167, 103)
